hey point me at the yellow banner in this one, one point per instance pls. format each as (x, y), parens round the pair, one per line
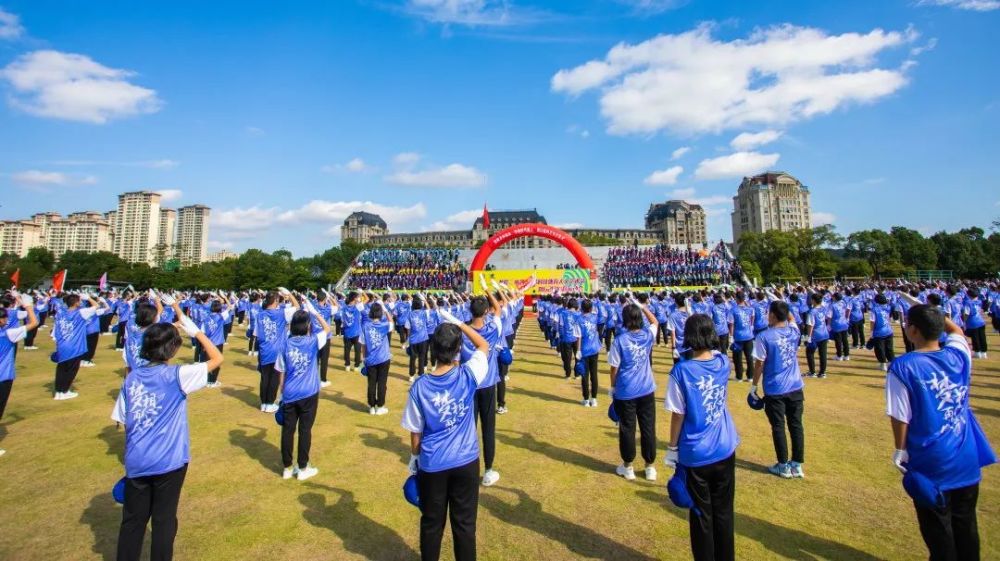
(546, 281)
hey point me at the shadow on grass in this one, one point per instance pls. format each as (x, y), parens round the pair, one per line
(245, 364)
(582, 541)
(541, 395)
(751, 466)
(528, 442)
(340, 399)
(986, 411)
(245, 394)
(104, 517)
(114, 437)
(786, 542)
(113, 393)
(257, 447)
(389, 441)
(359, 533)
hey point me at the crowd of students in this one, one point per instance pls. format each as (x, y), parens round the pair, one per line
(459, 349)
(408, 269)
(663, 265)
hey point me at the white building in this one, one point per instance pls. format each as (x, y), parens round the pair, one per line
(192, 234)
(18, 236)
(168, 229)
(137, 228)
(770, 201)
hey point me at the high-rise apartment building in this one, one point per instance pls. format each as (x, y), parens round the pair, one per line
(192, 234)
(681, 222)
(18, 236)
(168, 228)
(137, 228)
(770, 201)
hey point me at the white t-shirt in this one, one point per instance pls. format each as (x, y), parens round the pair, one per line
(193, 377)
(15, 334)
(897, 397)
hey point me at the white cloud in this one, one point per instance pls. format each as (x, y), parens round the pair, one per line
(973, 5)
(750, 140)
(473, 13)
(76, 88)
(664, 177)
(451, 175)
(255, 132)
(577, 130)
(692, 83)
(38, 178)
(10, 26)
(462, 220)
(330, 212)
(651, 7)
(737, 164)
(245, 220)
(216, 244)
(151, 164)
(168, 195)
(570, 225)
(822, 219)
(160, 164)
(355, 165)
(679, 153)
(683, 193)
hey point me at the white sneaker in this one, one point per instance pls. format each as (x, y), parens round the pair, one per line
(347, 368)
(372, 411)
(585, 403)
(58, 396)
(288, 473)
(506, 378)
(31, 348)
(274, 408)
(627, 472)
(650, 473)
(490, 477)
(324, 384)
(382, 411)
(593, 402)
(411, 379)
(263, 408)
(307, 473)
(847, 358)
(502, 410)
(70, 394)
(86, 364)
(2, 451)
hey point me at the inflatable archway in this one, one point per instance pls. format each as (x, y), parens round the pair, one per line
(557, 235)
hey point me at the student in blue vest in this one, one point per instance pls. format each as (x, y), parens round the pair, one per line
(675, 325)
(40, 307)
(703, 440)
(376, 349)
(298, 367)
(776, 362)
(633, 388)
(445, 450)
(935, 432)
(213, 323)
(719, 313)
(840, 323)
(93, 337)
(817, 334)
(8, 344)
(417, 337)
(351, 315)
(590, 347)
(661, 309)
(760, 307)
(146, 313)
(253, 309)
(323, 305)
(568, 335)
(272, 332)
(857, 319)
(975, 323)
(70, 333)
(123, 309)
(881, 323)
(741, 322)
(508, 316)
(152, 404)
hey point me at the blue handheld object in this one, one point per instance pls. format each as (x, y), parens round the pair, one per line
(54, 357)
(735, 347)
(810, 346)
(114, 328)
(364, 370)
(612, 414)
(410, 492)
(408, 351)
(922, 490)
(678, 491)
(118, 491)
(279, 415)
(870, 345)
(506, 357)
(756, 403)
(580, 368)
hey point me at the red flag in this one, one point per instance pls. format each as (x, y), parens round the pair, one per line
(486, 218)
(59, 280)
(16, 278)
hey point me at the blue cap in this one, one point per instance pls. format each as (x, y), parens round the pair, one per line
(410, 492)
(118, 491)
(114, 328)
(756, 403)
(735, 347)
(580, 368)
(811, 346)
(364, 370)
(612, 414)
(505, 356)
(922, 490)
(54, 357)
(678, 491)
(279, 415)
(870, 344)
(409, 352)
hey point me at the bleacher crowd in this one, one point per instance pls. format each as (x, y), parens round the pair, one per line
(663, 265)
(408, 269)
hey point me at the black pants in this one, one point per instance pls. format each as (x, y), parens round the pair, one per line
(213, 376)
(779, 408)
(103, 322)
(510, 341)
(120, 335)
(723, 343)
(349, 343)
(821, 346)
(840, 343)
(662, 332)
(745, 351)
(609, 334)
(378, 375)
(589, 383)
(642, 409)
(857, 330)
(301, 414)
(29, 338)
(454, 493)
(240, 316)
(66, 372)
(884, 351)
(952, 533)
(251, 342)
(268, 383)
(418, 358)
(713, 489)
(486, 418)
(502, 384)
(5, 395)
(339, 325)
(567, 352)
(227, 328)
(199, 353)
(324, 361)
(92, 339)
(978, 336)
(156, 497)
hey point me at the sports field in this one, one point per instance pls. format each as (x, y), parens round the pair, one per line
(558, 497)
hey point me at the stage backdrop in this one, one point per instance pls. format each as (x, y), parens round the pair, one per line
(549, 280)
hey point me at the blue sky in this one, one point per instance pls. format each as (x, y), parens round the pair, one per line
(286, 116)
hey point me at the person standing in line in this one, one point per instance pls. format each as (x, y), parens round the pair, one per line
(675, 325)
(817, 335)
(40, 307)
(444, 447)
(633, 388)
(376, 350)
(590, 347)
(272, 332)
(214, 323)
(703, 440)
(152, 404)
(857, 319)
(839, 325)
(937, 437)
(351, 316)
(569, 346)
(70, 334)
(417, 337)
(741, 320)
(975, 323)
(881, 320)
(8, 342)
(775, 354)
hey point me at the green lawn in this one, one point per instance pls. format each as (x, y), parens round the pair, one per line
(558, 497)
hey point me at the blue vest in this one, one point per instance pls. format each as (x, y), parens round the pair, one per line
(760, 310)
(493, 336)
(720, 313)
(156, 428)
(742, 320)
(838, 318)
(590, 343)
(271, 331)
(567, 321)
(708, 433)
(635, 375)
(820, 330)
(376, 343)
(301, 372)
(446, 403)
(71, 335)
(351, 318)
(781, 367)
(417, 320)
(6, 358)
(883, 316)
(677, 321)
(133, 346)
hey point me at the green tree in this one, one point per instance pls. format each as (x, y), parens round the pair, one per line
(751, 270)
(854, 268)
(915, 251)
(814, 259)
(874, 246)
(784, 270)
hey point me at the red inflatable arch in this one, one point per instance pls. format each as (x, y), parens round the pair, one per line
(542, 231)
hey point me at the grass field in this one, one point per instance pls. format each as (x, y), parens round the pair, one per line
(558, 497)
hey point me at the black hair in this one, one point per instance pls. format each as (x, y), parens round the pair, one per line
(780, 310)
(586, 306)
(740, 297)
(881, 299)
(816, 298)
(679, 300)
(478, 306)
(3, 315)
(928, 320)
(571, 304)
(160, 343)
(632, 317)
(270, 298)
(417, 304)
(300, 323)
(699, 333)
(445, 343)
(375, 313)
(718, 299)
(216, 307)
(145, 314)
(71, 300)
(934, 299)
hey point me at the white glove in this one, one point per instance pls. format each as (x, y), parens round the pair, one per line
(151, 293)
(611, 392)
(413, 467)
(168, 300)
(308, 306)
(283, 291)
(188, 326)
(482, 282)
(579, 355)
(27, 300)
(673, 455)
(900, 457)
(448, 318)
(676, 354)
